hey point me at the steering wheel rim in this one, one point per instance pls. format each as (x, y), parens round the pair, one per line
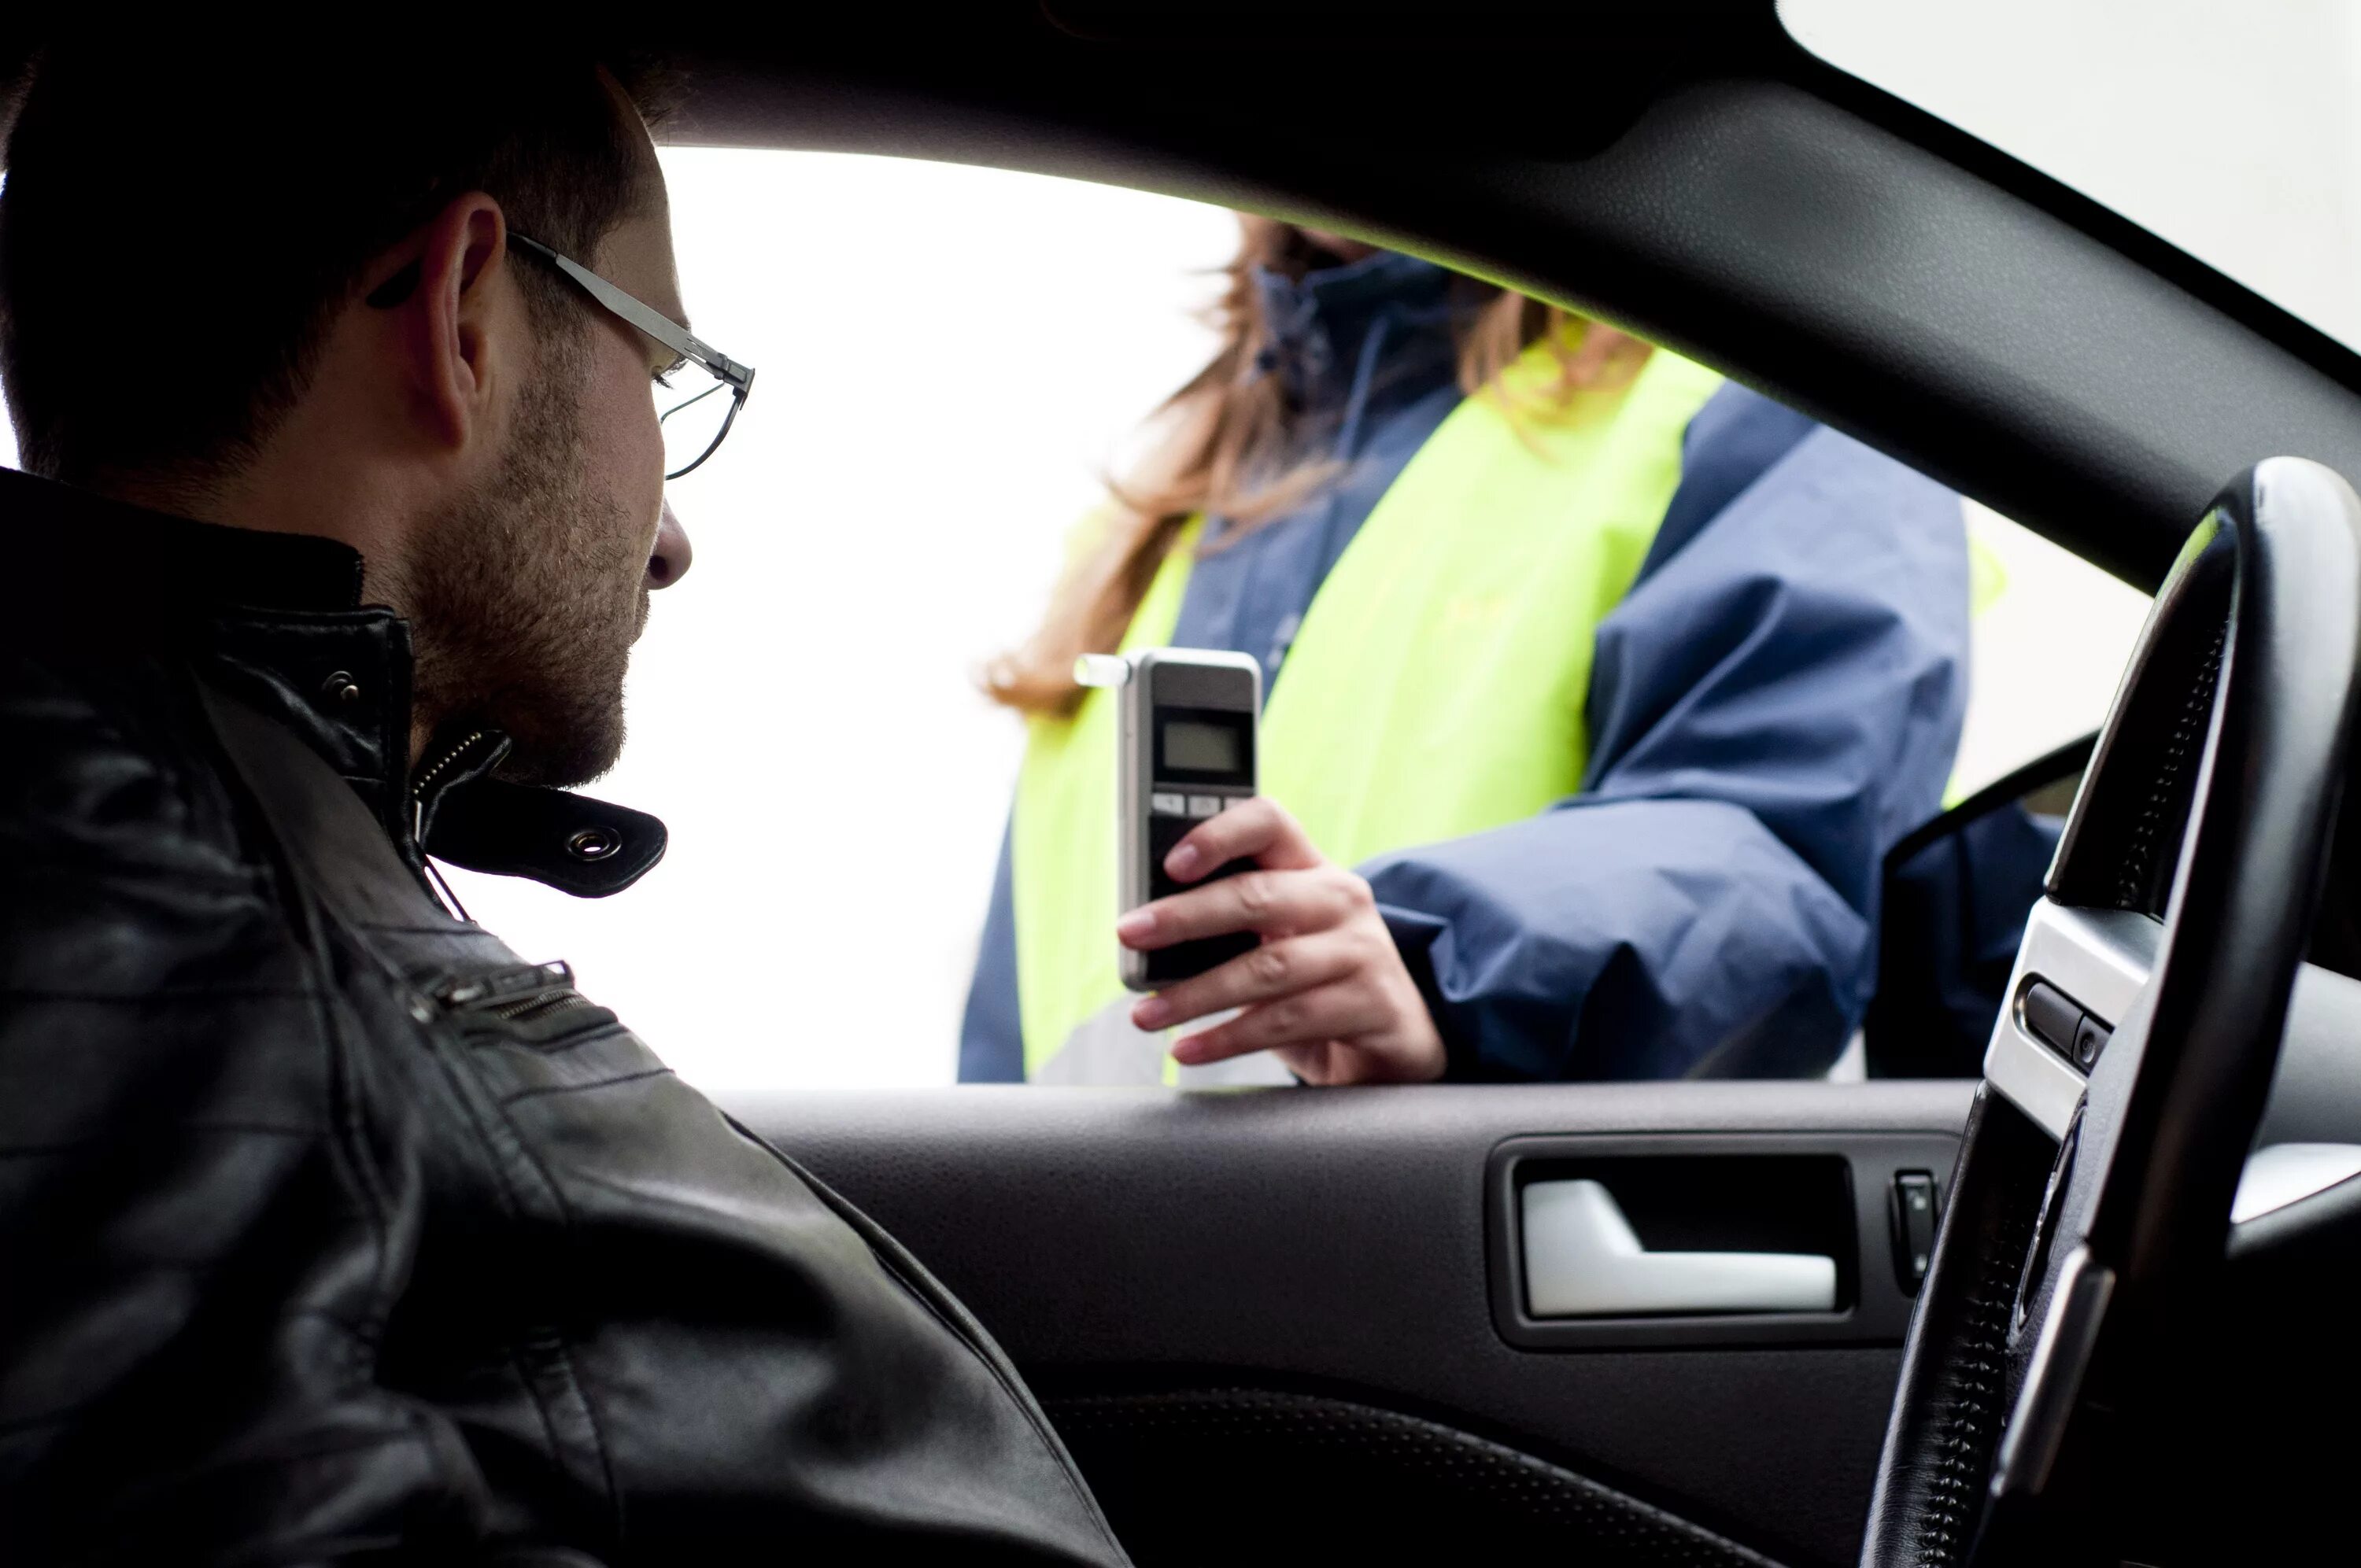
(2086, 1205)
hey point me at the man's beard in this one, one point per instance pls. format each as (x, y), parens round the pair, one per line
(525, 597)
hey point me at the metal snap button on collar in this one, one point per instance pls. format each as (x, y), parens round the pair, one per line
(594, 843)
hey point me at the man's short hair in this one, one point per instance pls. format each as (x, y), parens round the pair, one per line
(181, 217)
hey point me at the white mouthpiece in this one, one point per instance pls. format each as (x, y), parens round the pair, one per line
(1102, 670)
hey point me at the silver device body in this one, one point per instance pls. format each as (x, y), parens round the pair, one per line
(1186, 751)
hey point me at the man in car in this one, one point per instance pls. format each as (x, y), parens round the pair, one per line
(328, 1229)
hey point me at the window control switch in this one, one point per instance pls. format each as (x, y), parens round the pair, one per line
(2051, 1016)
(1913, 1228)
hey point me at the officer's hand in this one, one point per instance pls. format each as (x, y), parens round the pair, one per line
(1326, 989)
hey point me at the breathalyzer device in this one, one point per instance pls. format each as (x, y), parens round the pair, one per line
(1185, 752)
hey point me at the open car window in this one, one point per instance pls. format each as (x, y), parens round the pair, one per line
(956, 360)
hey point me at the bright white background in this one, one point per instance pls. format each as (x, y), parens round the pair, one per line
(947, 359)
(951, 357)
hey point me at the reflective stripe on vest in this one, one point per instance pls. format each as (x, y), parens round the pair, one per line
(1435, 689)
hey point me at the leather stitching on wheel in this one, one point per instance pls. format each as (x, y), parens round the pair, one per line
(1967, 1419)
(2139, 855)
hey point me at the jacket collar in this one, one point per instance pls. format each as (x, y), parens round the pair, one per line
(1330, 329)
(277, 620)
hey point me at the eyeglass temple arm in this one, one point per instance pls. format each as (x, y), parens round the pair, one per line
(653, 321)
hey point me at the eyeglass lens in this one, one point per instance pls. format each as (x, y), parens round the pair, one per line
(694, 409)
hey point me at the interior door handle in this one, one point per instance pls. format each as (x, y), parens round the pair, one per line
(1582, 1260)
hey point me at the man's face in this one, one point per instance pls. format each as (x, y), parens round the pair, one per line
(526, 614)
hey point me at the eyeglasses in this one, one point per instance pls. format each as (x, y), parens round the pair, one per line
(697, 395)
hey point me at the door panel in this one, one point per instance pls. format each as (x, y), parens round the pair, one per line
(1333, 1243)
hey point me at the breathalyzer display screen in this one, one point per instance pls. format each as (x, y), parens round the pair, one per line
(1204, 746)
(1197, 747)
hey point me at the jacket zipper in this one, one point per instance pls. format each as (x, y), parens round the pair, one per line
(539, 1007)
(534, 994)
(426, 777)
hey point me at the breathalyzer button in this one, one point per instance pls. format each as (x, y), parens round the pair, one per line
(1204, 806)
(1167, 805)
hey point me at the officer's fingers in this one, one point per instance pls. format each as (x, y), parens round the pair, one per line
(1336, 1011)
(1331, 1062)
(1272, 903)
(1275, 969)
(1334, 1062)
(1257, 829)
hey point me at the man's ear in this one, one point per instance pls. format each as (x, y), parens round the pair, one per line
(445, 321)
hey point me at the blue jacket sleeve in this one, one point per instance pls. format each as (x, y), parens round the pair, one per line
(1776, 702)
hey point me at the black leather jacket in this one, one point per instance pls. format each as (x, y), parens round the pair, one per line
(329, 1229)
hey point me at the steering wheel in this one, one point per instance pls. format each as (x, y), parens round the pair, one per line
(2128, 1071)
